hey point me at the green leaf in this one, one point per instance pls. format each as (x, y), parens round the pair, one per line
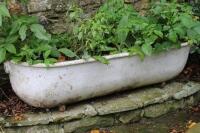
(2, 55)
(150, 40)
(22, 32)
(138, 51)
(4, 11)
(122, 30)
(40, 32)
(122, 35)
(192, 34)
(55, 53)
(106, 48)
(1, 20)
(17, 59)
(197, 29)
(37, 28)
(67, 52)
(157, 10)
(15, 27)
(158, 33)
(49, 61)
(101, 59)
(173, 36)
(10, 48)
(44, 47)
(187, 20)
(147, 49)
(46, 54)
(11, 39)
(180, 31)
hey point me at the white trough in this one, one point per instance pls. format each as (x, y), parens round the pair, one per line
(72, 81)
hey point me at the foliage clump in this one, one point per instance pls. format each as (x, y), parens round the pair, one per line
(116, 27)
(196, 9)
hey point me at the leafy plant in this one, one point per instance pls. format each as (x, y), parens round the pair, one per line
(23, 38)
(115, 28)
(15, 31)
(196, 9)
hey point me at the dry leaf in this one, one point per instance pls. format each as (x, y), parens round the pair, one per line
(95, 131)
(192, 125)
(61, 59)
(62, 108)
(19, 117)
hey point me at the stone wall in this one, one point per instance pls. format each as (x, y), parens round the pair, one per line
(127, 107)
(53, 12)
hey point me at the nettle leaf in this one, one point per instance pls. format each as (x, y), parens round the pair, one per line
(10, 48)
(192, 34)
(197, 29)
(157, 10)
(158, 33)
(4, 11)
(67, 52)
(49, 61)
(173, 36)
(2, 54)
(22, 32)
(11, 39)
(55, 53)
(180, 30)
(138, 51)
(122, 30)
(15, 27)
(17, 59)
(106, 48)
(122, 35)
(101, 59)
(187, 20)
(147, 49)
(37, 28)
(40, 32)
(1, 19)
(150, 40)
(46, 54)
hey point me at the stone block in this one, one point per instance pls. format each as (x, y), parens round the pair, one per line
(88, 123)
(132, 116)
(39, 5)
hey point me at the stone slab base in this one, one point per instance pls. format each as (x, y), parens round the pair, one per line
(116, 109)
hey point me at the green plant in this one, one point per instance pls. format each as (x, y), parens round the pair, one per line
(196, 9)
(117, 27)
(15, 31)
(178, 21)
(107, 32)
(23, 38)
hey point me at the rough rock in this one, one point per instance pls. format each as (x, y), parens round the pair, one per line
(74, 113)
(132, 116)
(88, 123)
(144, 97)
(39, 5)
